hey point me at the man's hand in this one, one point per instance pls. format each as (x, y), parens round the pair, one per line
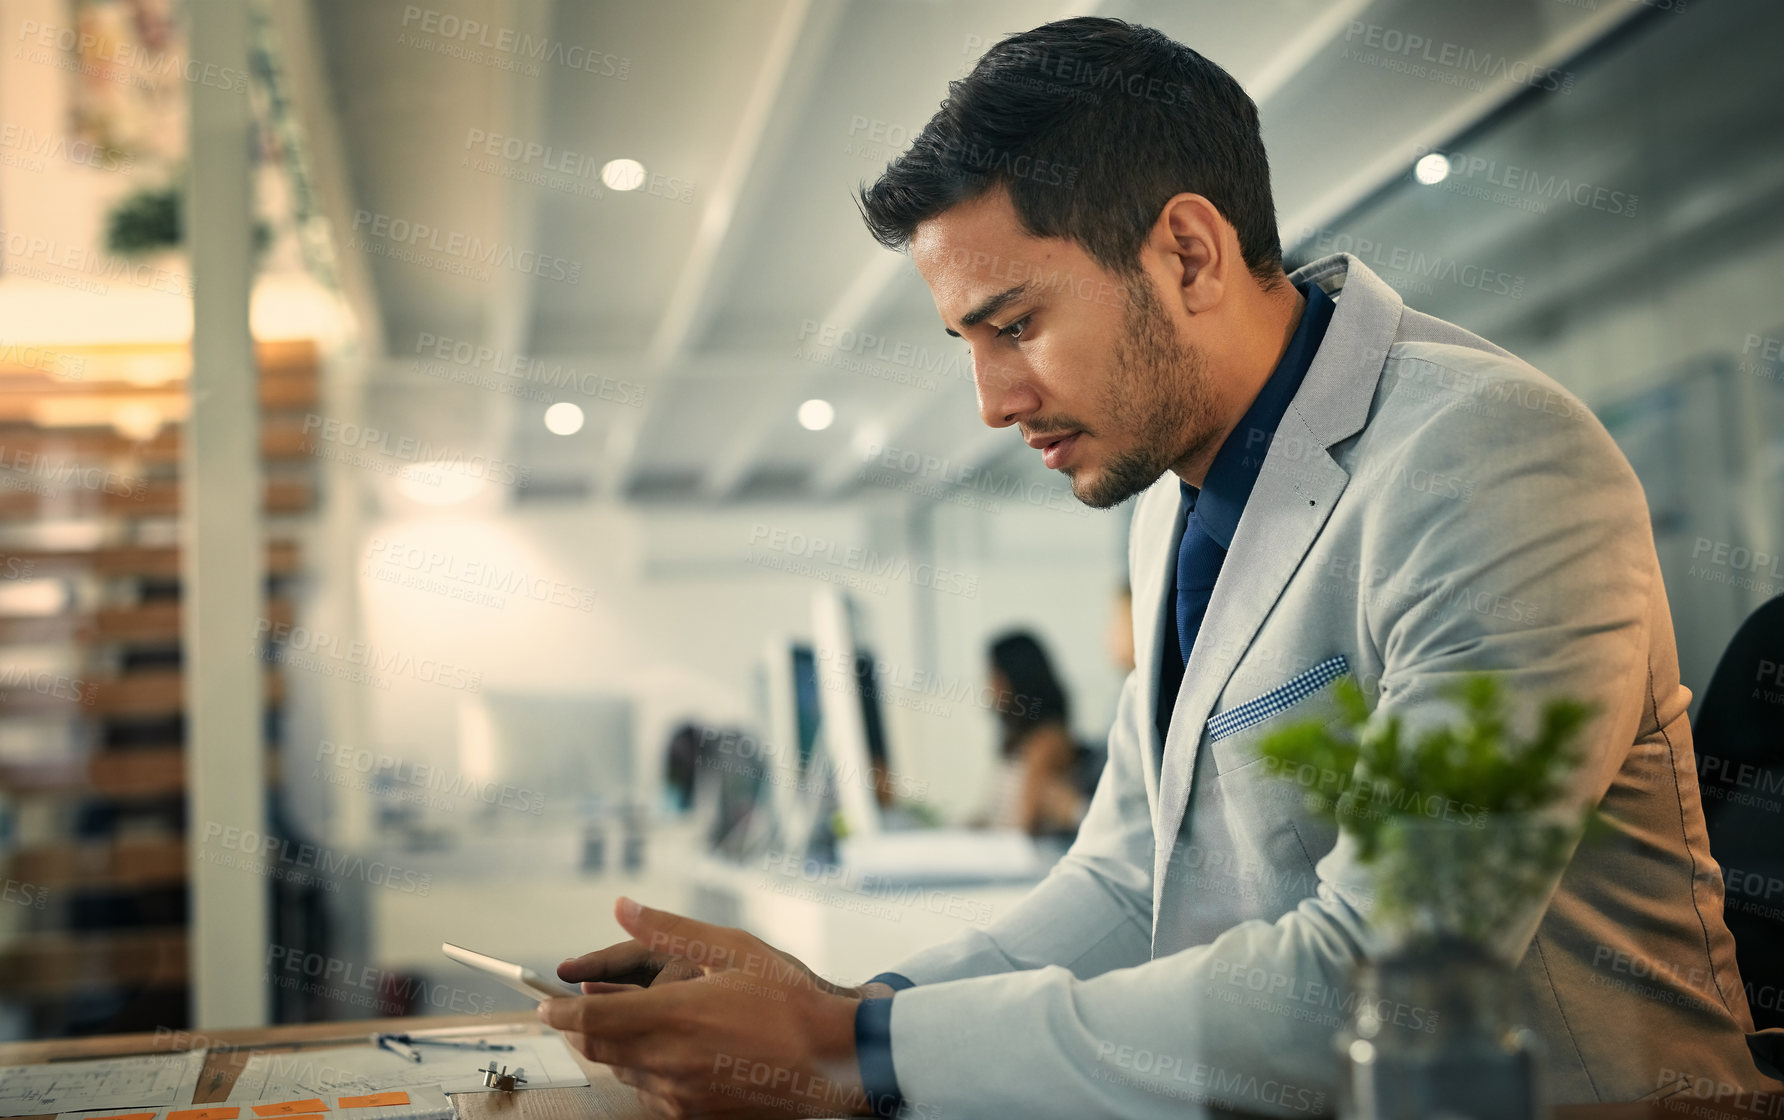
(749, 1032)
(643, 963)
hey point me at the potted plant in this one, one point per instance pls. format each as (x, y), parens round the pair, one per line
(1466, 829)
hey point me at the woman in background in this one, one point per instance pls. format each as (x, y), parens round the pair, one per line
(1037, 787)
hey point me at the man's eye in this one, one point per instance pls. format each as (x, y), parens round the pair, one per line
(1014, 330)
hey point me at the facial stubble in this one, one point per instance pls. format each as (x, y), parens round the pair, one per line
(1159, 399)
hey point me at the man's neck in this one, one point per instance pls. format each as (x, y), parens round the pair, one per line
(1279, 314)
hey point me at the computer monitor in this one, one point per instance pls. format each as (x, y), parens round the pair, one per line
(792, 726)
(848, 701)
(798, 770)
(551, 750)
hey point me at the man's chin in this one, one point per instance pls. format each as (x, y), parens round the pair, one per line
(1096, 489)
(1109, 484)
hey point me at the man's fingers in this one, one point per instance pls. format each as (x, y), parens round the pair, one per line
(678, 969)
(658, 1105)
(629, 962)
(608, 1016)
(654, 1092)
(597, 987)
(608, 1052)
(672, 935)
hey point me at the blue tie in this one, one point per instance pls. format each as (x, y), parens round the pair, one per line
(1199, 557)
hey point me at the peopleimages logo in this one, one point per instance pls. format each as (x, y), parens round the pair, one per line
(1414, 263)
(279, 858)
(1391, 43)
(408, 449)
(391, 993)
(961, 483)
(83, 153)
(855, 559)
(1515, 179)
(504, 47)
(459, 246)
(443, 571)
(120, 60)
(327, 654)
(44, 683)
(432, 778)
(519, 367)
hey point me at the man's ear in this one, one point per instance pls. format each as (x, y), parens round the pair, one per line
(1189, 240)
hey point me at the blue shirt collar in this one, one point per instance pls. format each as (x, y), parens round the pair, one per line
(1236, 465)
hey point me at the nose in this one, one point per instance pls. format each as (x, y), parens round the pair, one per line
(1006, 393)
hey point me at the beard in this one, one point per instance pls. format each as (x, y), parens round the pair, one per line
(1159, 400)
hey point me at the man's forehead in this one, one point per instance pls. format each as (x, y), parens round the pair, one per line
(980, 226)
(978, 247)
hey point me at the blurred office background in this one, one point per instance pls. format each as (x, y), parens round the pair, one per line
(590, 421)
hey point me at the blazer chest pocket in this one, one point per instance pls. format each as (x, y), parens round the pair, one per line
(1235, 734)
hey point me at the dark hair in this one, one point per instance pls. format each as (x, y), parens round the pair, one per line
(1036, 696)
(1091, 124)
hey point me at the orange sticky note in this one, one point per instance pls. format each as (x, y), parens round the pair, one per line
(373, 1100)
(291, 1108)
(219, 1112)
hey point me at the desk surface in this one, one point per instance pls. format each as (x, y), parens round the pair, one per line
(604, 1098)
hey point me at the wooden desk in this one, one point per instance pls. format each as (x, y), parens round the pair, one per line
(603, 1098)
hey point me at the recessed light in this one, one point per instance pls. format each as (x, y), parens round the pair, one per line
(1432, 169)
(563, 419)
(623, 174)
(816, 414)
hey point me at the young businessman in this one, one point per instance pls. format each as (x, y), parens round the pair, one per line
(1330, 483)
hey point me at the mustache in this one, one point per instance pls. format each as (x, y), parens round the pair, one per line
(1053, 428)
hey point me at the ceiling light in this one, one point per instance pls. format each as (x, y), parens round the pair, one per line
(815, 415)
(1432, 169)
(623, 174)
(563, 419)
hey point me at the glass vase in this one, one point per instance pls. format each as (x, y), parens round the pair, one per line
(1437, 1031)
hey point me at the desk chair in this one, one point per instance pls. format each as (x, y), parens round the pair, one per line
(1739, 735)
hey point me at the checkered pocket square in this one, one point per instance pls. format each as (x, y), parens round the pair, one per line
(1278, 699)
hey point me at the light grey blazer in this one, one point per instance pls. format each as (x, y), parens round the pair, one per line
(1430, 506)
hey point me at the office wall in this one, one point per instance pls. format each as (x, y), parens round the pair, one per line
(1632, 229)
(675, 609)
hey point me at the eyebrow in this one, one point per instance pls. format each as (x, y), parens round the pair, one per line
(990, 307)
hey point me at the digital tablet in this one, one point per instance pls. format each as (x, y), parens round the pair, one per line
(522, 979)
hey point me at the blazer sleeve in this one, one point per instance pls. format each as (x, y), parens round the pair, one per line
(1557, 523)
(1093, 911)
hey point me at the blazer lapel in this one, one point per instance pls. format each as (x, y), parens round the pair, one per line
(1154, 582)
(1285, 512)
(1294, 495)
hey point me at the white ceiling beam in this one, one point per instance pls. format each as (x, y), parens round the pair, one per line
(862, 304)
(866, 300)
(300, 60)
(834, 477)
(511, 308)
(796, 52)
(1299, 51)
(1394, 158)
(508, 319)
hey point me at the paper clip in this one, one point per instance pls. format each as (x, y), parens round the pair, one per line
(403, 1045)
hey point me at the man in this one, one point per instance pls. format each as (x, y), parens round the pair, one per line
(1330, 482)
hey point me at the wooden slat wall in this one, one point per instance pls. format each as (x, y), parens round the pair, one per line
(36, 461)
